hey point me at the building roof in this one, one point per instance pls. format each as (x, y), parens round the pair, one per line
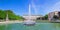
(53, 11)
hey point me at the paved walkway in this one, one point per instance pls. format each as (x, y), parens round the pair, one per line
(5, 22)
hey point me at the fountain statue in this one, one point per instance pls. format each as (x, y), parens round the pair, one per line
(29, 21)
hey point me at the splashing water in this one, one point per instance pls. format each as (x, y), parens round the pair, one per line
(29, 21)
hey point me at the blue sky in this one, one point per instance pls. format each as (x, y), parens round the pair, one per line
(21, 7)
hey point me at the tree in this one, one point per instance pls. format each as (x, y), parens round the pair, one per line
(11, 15)
(2, 14)
(46, 16)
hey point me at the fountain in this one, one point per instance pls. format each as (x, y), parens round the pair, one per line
(29, 21)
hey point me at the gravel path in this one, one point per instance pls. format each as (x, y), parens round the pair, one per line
(7, 22)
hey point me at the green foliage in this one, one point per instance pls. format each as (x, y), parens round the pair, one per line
(46, 16)
(11, 15)
(2, 14)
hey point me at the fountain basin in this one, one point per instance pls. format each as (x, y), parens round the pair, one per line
(29, 22)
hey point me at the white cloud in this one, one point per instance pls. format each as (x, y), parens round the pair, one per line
(35, 7)
(56, 7)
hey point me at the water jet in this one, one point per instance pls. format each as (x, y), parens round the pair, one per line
(29, 21)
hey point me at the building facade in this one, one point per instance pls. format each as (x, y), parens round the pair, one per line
(32, 17)
(51, 14)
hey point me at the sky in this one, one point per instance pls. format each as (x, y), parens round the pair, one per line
(39, 7)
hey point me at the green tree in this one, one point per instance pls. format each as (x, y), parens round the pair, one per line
(11, 15)
(46, 16)
(2, 14)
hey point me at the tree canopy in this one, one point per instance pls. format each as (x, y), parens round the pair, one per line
(11, 15)
(46, 16)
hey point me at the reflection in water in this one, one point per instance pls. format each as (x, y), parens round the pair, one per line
(57, 26)
(38, 26)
